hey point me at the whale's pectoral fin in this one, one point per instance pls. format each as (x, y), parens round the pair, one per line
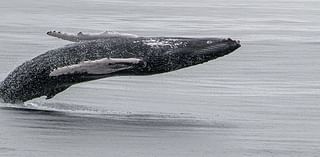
(83, 37)
(103, 66)
(64, 36)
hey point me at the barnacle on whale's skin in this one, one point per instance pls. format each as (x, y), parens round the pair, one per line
(96, 56)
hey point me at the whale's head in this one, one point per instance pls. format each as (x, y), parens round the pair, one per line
(187, 52)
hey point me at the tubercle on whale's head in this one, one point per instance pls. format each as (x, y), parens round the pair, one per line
(194, 51)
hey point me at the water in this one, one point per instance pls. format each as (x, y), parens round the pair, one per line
(262, 100)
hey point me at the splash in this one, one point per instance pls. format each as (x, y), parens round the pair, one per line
(94, 114)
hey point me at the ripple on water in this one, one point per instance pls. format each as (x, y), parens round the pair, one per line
(92, 115)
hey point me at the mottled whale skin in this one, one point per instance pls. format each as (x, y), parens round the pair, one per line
(100, 57)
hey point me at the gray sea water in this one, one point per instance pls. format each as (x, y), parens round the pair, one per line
(262, 100)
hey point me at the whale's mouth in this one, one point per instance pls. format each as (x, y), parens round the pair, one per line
(219, 49)
(210, 49)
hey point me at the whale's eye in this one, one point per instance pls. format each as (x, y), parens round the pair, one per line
(143, 63)
(209, 42)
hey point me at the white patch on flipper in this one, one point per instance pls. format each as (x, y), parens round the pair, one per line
(81, 36)
(97, 67)
(118, 34)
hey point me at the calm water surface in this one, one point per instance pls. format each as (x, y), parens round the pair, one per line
(262, 100)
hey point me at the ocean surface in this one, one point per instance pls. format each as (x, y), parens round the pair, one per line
(262, 100)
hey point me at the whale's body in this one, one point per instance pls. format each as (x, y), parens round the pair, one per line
(56, 70)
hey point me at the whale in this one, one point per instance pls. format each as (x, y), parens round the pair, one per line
(96, 56)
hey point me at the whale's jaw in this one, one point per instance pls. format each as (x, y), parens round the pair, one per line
(214, 50)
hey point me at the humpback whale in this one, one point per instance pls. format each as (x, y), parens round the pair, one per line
(96, 56)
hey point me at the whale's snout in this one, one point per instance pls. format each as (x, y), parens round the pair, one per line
(234, 43)
(221, 48)
(211, 48)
